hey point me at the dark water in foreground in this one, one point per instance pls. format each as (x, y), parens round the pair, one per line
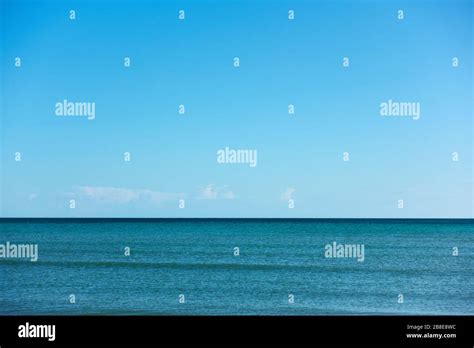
(277, 258)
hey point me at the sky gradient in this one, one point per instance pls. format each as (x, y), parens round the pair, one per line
(190, 62)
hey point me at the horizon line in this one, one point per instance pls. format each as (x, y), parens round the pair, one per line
(145, 219)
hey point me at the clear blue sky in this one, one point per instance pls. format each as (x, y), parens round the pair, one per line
(283, 62)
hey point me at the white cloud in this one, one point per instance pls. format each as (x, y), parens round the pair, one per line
(124, 195)
(208, 192)
(288, 193)
(212, 191)
(120, 195)
(228, 195)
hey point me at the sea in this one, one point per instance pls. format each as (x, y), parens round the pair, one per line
(238, 267)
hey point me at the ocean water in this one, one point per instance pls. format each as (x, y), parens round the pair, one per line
(277, 258)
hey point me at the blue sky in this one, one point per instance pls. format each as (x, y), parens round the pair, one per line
(190, 62)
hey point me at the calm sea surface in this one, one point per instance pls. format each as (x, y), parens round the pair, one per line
(277, 258)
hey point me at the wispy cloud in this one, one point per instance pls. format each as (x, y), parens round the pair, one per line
(119, 195)
(288, 193)
(212, 191)
(32, 196)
